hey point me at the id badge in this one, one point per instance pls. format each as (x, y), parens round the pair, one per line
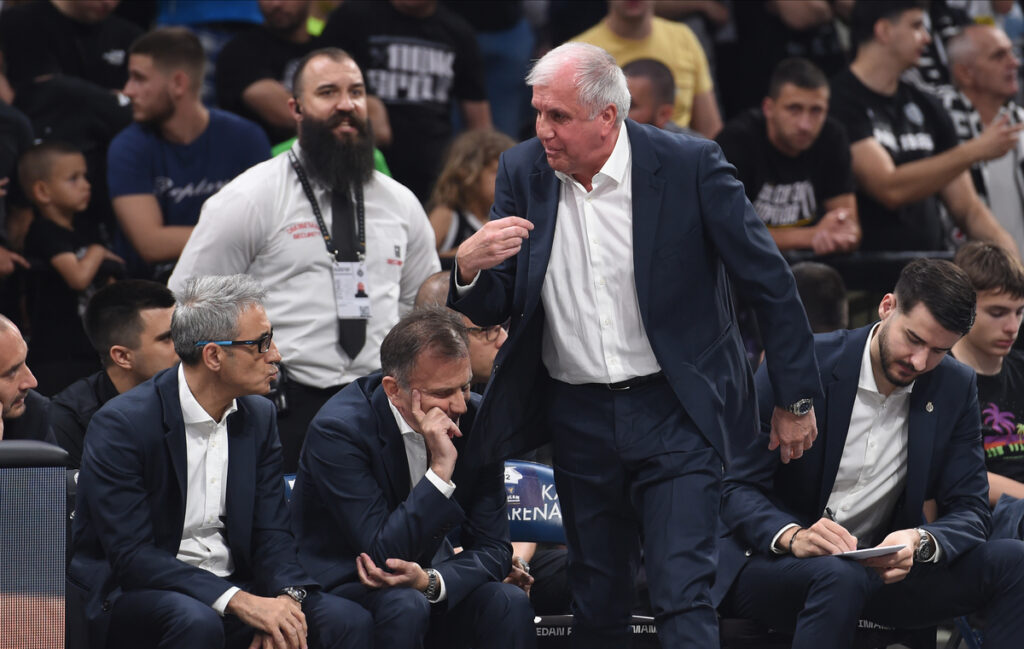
(351, 293)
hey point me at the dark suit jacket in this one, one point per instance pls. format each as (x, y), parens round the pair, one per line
(692, 225)
(131, 503)
(352, 495)
(944, 461)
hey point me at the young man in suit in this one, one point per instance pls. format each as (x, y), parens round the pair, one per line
(383, 483)
(623, 347)
(898, 425)
(181, 535)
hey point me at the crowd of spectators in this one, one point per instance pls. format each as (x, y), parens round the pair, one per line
(144, 144)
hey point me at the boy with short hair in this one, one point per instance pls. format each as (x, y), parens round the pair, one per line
(52, 175)
(998, 280)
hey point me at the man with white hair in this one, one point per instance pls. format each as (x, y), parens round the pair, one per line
(623, 346)
(984, 71)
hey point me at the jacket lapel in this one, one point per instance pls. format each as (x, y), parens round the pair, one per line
(392, 451)
(648, 190)
(174, 435)
(240, 489)
(840, 394)
(920, 442)
(544, 191)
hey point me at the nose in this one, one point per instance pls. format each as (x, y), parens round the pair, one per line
(544, 131)
(457, 405)
(345, 102)
(29, 380)
(919, 359)
(273, 355)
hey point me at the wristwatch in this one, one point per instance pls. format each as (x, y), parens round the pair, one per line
(522, 563)
(801, 407)
(298, 593)
(433, 590)
(925, 550)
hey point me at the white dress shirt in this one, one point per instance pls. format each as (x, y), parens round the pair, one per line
(203, 543)
(416, 455)
(262, 224)
(593, 331)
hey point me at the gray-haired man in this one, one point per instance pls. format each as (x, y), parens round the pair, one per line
(181, 535)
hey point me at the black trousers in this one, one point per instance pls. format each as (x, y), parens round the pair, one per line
(303, 402)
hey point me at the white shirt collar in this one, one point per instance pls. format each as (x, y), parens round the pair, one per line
(191, 411)
(403, 426)
(615, 167)
(867, 375)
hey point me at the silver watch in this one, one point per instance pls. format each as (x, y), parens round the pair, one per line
(801, 407)
(433, 590)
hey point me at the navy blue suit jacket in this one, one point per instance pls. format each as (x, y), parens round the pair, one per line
(130, 507)
(352, 495)
(760, 495)
(692, 226)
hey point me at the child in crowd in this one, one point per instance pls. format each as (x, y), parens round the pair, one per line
(67, 265)
(464, 191)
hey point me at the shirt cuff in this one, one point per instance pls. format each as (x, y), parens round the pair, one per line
(221, 603)
(446, 488)
(775, 540)
(460, 289)
(442, 594)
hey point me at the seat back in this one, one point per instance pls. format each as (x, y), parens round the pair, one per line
(533, 510)
(33, 505)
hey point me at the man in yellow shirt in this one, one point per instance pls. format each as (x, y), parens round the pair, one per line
(631, 31)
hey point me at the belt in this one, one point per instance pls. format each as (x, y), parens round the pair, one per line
(629, 384)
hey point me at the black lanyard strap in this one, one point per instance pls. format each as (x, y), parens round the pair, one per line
(360, 212)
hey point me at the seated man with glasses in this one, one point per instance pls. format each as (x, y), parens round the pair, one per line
(181, 537)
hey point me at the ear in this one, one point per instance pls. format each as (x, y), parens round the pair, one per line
(296, 109)
(607, 117)
(391, 388)
(181, 83)
(887, 306)
(961, 74)
(663, 115)
(122, 357)
(41, 192)
(881, 30)
(213, 357)
(767, 106)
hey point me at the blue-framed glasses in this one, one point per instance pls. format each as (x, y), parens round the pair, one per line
(262, 343)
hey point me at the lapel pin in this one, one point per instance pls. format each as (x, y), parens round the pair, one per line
(929, 407)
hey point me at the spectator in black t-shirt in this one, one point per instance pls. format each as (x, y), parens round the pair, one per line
(420, 59)
(794, 163)
(26, 413)
(129, 325)
(998, 280)
(66, 266)
(904, 148)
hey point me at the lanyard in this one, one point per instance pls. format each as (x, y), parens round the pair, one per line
(360, 212)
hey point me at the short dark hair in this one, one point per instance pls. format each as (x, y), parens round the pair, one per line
(990, 268)
(943, 288)
(433, 329)
(335, 54)
(823, 294)
(112, 314)
(36, 163)
(797, 71)
(866, 13)
(173, 48)
(662, 82)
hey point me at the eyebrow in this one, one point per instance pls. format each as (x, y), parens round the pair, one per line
(164, 336)
(12, 369)
(921, 340)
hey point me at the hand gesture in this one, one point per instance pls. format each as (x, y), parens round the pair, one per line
(793, 433)
(894, 567)
(824, 538)
(998, 138)
(835, 232)
(519, 577)
(277, 619)
(404, 574)
(492, 244)
(437, 430)
(8, 260)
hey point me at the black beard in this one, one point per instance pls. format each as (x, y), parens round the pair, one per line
(337, 163)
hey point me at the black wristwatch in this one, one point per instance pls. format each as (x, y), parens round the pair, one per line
(298, 593)
(433, 590)
(801, 407)
(925, 550)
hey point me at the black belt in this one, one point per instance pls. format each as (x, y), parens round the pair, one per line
(629, 384)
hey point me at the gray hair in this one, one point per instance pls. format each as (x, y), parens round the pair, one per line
(962, 48)
(433, 329)
(598, 79)
(209, 308)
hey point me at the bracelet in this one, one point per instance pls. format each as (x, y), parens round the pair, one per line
(793, 538)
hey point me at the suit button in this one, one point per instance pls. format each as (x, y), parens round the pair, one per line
(749, 552)
(106, 606)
